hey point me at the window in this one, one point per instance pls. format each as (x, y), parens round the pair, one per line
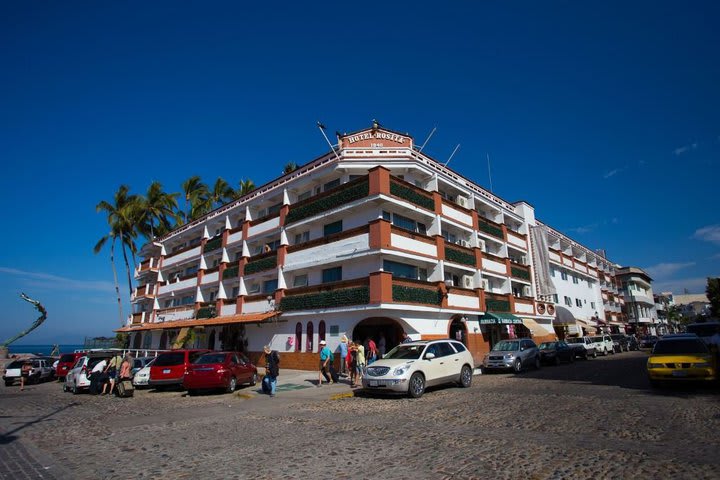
(309, 339)
(321, 331)
(302, 237)
(589, 283)
(576, 280)
(235, 292)
(269, 286)
(405, 222)
(592, 305)
(298, 336)
(300, 280)
(274, 208)
(332, 274)
(331, 184)
(402, 270)
(452, 279)
(450, 237)
(238, 256)
(387, 216)
(563, 274)
(304, 195)
(215, 262)
(191, 270)
(331, 228)
(552, 272)
(555, 298)
(578, 302)
(213, 295)
(254, 288)
(568, 301)
(188, 300)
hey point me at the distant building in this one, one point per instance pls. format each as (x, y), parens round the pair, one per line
(639, 301)
(693, 305)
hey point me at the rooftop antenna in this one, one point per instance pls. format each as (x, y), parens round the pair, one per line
(427, 139)
(489, 176)
(452, 155)
(322, 130)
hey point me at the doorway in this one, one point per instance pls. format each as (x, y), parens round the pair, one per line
(378, 328)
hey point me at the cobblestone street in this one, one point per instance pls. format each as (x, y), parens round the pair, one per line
(594, 419)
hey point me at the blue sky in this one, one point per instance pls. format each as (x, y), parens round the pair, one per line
(604, 116)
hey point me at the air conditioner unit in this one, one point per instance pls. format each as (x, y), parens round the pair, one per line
(485, 284)
(462, 201)
(464, 243)
(481, 244)
(527, 291)
(468, 281)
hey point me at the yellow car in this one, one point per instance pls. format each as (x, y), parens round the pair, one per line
(681, 358)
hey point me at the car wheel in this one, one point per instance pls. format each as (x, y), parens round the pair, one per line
(232, 385)
(74, 390)
(65, 388)
(465, 376)
(557, 359)
(537, 363)
(253, 379)
(416, 387)
(8, 383)
(517, 366)
(192, 392)
(594, 354)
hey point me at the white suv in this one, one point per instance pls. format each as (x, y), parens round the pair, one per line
(411, 367)
(603, 344)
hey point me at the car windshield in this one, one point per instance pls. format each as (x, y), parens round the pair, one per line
(679, 347)
(617, 337)
(547, 345)
(506, 346)
(574, 340)
(167, 359)
(596, 339)
(15, 364)
(211, 358)
(405, 352)
(68, 357)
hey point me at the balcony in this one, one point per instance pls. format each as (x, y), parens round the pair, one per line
(138, 318)
(144, 291)
(327, 295)
(497, 303)
(410, 193)
(521, 272)
(460, 255)
(415, 291)
(329, 200)
(489, 227)
(151, 264)
(524, 305)
(262, 262)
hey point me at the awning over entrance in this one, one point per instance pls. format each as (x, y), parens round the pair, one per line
(563, 317)
(586, 324)
(499, 318)
(204, 322)
(534, 327)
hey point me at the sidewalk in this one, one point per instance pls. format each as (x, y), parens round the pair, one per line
(290, 380)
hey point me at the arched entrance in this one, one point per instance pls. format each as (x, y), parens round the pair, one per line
(377, 328)
(136, 340)
(458, 330)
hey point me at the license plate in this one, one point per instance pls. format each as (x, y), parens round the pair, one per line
(373, 383)
(167, 370)
(679, 373)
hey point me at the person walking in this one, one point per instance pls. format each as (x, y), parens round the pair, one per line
(25, 370)
(359, 363)
(272, 370)
(343, 356)
(371, 353)
(97, 377)
(326, 357)
(112, 371)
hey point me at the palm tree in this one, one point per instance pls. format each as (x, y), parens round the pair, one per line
(289, 167)
(156, 206)
(246, 186)
(196, 194)
(221, 193)
(121, 222)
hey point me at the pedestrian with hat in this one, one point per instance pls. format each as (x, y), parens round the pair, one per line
(272, 370)
(344, 356)
(326, 358)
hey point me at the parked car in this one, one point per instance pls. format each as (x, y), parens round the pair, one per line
(77, 379)
(681, 358)
(632, 342)
(411, 367)
(169, 368)
(584, 343)
(620, 342)
(603, 344)
(139, 363)
(514, 355)
(142, 376)
(556, 352)
(704, 330)
(66, 362)
(219, 370)
(648, 341)
(42, 370)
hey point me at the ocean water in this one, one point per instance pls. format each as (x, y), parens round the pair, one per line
(42, 349)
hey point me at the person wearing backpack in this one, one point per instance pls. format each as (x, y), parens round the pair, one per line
(272, 370)
(326, 358)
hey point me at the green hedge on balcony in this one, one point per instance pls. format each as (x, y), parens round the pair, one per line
(520, 273)
(213, 244)
(206, 312)
(493, 305)
(403, 294)
(231, 272)
(490, 229)
(334, 298)
(334, 200)
(260, 265)
(458, 256)
(412, 196)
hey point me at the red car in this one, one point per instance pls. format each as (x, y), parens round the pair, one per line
(66, 362)
(220, 370)
(169, 368)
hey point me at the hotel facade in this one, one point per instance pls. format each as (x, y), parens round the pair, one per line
(374, 238)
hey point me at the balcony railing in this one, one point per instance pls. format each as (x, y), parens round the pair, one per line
(461, 255)
(520, 271)
(497, 303)
(334, 198)
(490, 227)
(415, 291)
(328, 295)
(262, 262)
(411, 193)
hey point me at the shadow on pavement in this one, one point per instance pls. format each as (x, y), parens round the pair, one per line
(8, 437)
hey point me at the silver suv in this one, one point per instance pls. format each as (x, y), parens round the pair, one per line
(516, 354)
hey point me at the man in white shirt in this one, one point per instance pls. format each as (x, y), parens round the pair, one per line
(97, 376)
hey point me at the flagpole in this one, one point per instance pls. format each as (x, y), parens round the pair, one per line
(322, 130)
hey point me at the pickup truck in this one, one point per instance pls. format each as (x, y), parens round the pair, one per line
(584, 347)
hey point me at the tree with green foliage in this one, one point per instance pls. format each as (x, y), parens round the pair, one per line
(221, 193)
(196, 197)
(713, 294)
(245, 186)
(156, 213)
(289, 168)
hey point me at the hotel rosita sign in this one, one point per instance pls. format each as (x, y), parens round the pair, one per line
(376, 138)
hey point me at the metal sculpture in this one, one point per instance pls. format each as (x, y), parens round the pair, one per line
(37, 323)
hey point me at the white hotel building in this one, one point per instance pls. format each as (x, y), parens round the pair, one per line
(373, 237)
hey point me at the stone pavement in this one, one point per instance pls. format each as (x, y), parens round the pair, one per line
(593, 419)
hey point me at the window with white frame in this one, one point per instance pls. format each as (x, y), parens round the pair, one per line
(568, 301)
(578, 302)
(300, 280)
(563, 274)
